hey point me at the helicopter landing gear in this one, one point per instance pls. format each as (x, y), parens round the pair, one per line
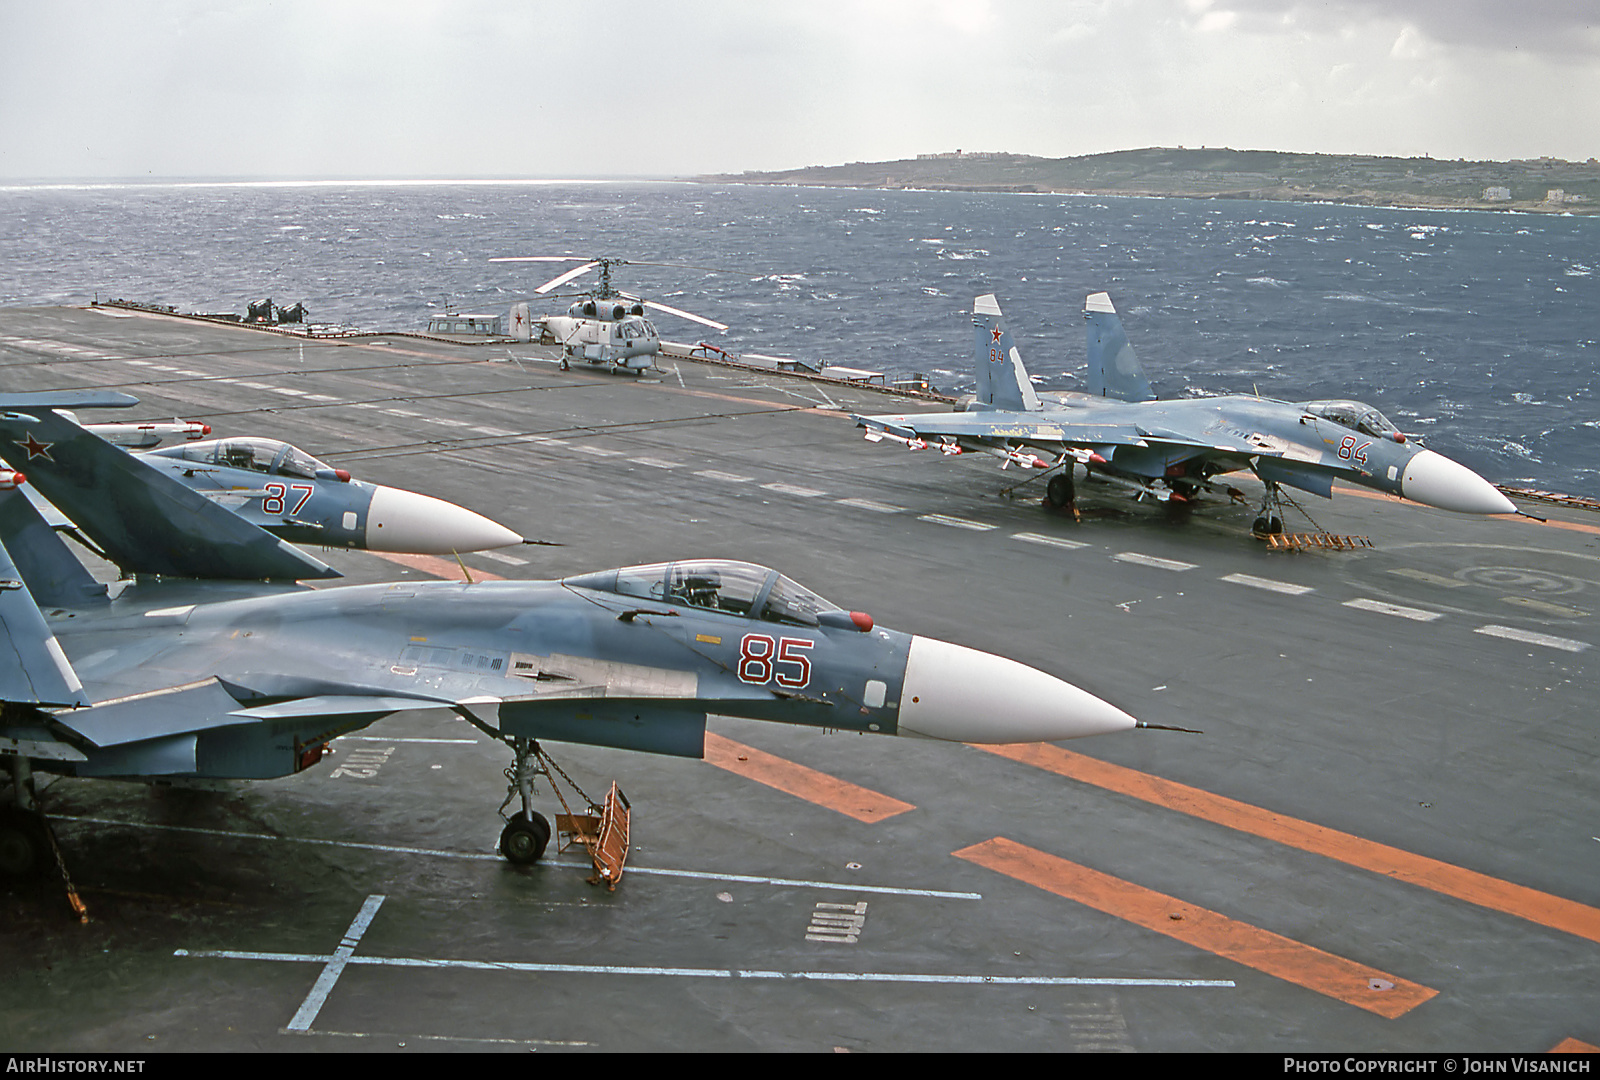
(1269, 520)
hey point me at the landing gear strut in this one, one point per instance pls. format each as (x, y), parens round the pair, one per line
(603, 831)
(527, 832)
(27, 844)
(1269, 520)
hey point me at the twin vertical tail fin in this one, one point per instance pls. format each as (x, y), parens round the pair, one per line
(1003, 382)
(1114, 369)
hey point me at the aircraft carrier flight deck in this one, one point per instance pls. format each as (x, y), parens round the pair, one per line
(1385, 839)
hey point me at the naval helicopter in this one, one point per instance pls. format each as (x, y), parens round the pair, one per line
(604, 326)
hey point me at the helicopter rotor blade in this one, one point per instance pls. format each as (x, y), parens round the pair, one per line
(684, 315)
(564, 278)
(680, 266)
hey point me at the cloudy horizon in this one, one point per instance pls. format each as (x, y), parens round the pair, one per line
(277, 89)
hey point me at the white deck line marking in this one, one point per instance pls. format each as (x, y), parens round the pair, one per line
(656, 463)
(1048, 541)
(1528, 637)
(1152, 560)
(375, 738)
(1416, 614)
(955, 522)
(791, 489)
(554, 864)
(725, 477)
(335, 965)
(713, 973)
(593, 451)
(868, 504)
(493, 432)
(1287, 588)
(1431, 579)
(509, 560)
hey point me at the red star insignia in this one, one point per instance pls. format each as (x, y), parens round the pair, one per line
(996, 332)
(36, 449)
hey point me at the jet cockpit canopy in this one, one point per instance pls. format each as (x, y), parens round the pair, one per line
(268, 456)
(721, 585)
(1356, 415)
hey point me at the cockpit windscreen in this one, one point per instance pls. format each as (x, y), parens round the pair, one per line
(733, 588)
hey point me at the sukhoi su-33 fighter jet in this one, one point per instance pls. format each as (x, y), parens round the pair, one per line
(136, 520)
(194, 681)
(1172, 449)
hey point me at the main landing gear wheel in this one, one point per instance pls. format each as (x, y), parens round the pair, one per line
(22, 845)
(523, 841)
(1268, 526)
(1060, 491)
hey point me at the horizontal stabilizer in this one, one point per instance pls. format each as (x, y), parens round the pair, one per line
(68, 399)
(178, 710)
(339, 706)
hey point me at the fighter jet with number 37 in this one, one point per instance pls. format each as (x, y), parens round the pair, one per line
(112, 498)
(1173, 449)
(182, 681)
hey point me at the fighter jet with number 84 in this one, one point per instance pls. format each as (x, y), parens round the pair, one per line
(1171, 450)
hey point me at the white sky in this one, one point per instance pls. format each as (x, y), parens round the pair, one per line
(425, 88)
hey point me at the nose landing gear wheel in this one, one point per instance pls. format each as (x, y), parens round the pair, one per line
(523, 841)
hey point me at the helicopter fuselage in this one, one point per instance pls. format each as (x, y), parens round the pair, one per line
(630, 341)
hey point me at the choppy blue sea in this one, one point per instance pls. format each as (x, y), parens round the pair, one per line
(1478, 331)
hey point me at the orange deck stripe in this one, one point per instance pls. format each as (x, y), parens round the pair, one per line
(861, 803)
(1574, 526)
(448, 569)
(1345, 980)
(1441, 877)
(1574, 1046)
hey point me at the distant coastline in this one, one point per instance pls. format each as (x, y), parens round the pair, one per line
(1541, 185)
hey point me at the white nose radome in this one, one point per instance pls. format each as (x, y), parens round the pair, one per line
(1435, 480)
(963, 695)
(403, 521)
